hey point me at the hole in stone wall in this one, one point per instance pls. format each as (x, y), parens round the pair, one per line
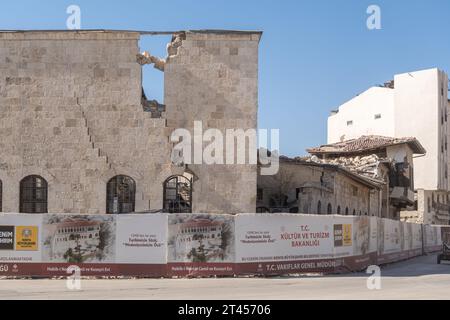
(152, 78)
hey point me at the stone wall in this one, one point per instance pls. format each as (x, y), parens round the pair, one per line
(316, 183)
(213, 78)
(433, 207)
(70, 111)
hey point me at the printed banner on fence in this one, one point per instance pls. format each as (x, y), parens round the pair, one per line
(432, 238)
(206, 244)
(277, 243)
(79, 238)
(101, 245)
(200, 244)
(20, 237)
(141, 239)
(362, 250)
(393, 240)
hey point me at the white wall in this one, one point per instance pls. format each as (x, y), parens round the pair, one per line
(418, 114)
(362, 110)
(413, 109)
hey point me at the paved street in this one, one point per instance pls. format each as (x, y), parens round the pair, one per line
(420, 278)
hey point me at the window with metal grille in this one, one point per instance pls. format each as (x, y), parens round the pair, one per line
(178, 195)
(33, 195)
(120, 195)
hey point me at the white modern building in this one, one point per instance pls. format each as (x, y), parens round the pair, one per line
(414, 104)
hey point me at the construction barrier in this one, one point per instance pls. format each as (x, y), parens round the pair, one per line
(185, 245)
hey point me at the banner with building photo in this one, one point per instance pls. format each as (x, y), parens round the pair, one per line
(201, 244)
(79, 238)
(286, 243)
(87, 241)
(20, 245)
(141, 244)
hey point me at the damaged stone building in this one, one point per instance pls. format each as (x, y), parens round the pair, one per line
(79, 135)
(371, 175)
(302, 186)
(386, 159)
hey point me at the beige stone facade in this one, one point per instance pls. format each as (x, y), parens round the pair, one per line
(71, 113)
(433, 207)
(384, 159)
(305, 187)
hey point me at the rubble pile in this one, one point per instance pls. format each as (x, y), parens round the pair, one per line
(172, 51)
(147, 58)
(366, 166)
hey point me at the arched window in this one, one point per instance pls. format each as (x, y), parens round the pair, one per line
(346, 211)
(1, 195)
(354, 212)
(329, 209)
(33, 195)
(120, 195)
(178, 195)
(339, 210)
(319, 207)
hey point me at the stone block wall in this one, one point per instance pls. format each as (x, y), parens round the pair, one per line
(70, 111)
(213, 78)
(316, 183)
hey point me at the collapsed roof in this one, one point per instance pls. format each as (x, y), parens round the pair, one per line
(368, 143)
(367, 179)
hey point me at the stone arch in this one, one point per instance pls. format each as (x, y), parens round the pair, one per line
(33, 194)
(120, 195)
(177, 194)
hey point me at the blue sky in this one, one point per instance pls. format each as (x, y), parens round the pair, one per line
(314, 55)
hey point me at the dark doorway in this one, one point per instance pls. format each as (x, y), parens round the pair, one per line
(178, 195)
(120, 195)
